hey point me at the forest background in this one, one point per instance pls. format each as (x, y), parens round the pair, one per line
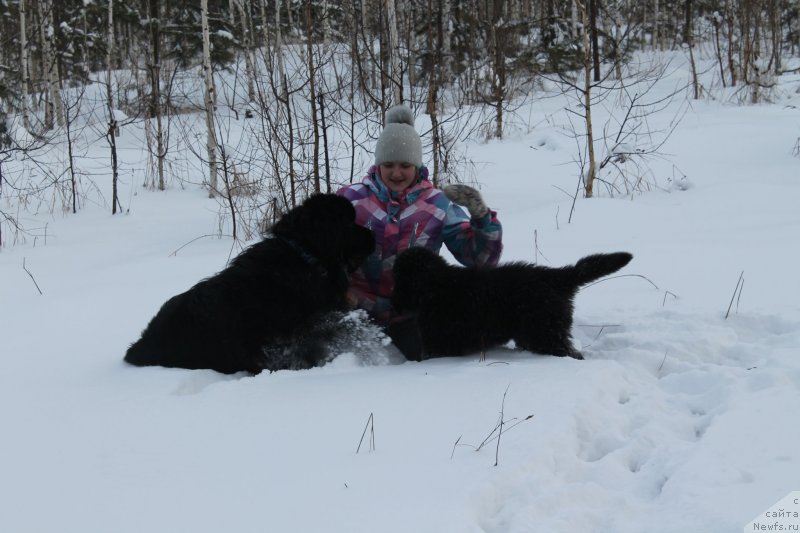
(313, 78)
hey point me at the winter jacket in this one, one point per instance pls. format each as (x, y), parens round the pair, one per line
(421, 216)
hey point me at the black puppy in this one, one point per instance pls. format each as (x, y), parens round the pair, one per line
(468, 310)
(275, 292)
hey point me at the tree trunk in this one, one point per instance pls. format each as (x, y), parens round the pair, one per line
(312, 99)
(718, 51)
(267, 53)
(595, 40)
(324, 128)
(498, 59)
(587, 103)
(155, 88)
(109, 69)
(395, 70)
(54, 109)
(211, 139)
(574, 19)
(656, 24)
(113, 126)
(247, 32)
(433, 91)
(776, 34)
(26, 79)
(279, 49)
(285, 99)
(729, 16)
(445, 49)
(689, 39)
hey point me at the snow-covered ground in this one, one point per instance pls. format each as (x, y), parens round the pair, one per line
(679, 419)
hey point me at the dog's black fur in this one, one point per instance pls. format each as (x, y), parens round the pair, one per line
(273, 293)
(468, 310)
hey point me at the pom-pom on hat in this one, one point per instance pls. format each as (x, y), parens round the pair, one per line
(399, 141)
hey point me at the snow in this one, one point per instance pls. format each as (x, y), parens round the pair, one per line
(679, 419)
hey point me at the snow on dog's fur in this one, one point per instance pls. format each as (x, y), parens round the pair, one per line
(351, 335)
(277, 292)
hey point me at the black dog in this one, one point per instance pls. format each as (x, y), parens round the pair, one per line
(468, 310)
(271, 295)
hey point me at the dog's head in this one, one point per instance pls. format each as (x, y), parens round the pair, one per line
(414, 271)
(325, 226)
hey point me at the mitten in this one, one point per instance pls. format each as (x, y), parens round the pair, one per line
(468, 197)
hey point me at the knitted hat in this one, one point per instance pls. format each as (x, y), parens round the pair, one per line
(399, 141)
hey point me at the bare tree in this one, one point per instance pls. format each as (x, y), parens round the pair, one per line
(435, 49)
(54, 107)
(208, 100)
(312, 97)
(497, 53)
(23, 39)
(588, 62)
(71, 112)
(617, 153)
(688, 39)
(113, 124)
(395, 73)
(154, 71)
(243, 6)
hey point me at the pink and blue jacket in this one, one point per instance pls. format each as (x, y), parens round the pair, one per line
(421, 216)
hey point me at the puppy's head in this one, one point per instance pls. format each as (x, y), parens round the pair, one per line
(414, 272)
(325, 226)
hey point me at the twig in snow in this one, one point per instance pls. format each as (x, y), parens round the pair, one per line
(499, 429)
(739, 285)
(491, 437)
(454, 446)
(665, 297)
(500, 434)
(31, 275)
(575, 197)
(600, 332)
(601, 326)
(558, 209)
(175, 252)
(663, 361)
(536, 249)
(622, 276)
(371, 426)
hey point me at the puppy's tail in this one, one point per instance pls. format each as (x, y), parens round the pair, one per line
(596, 266)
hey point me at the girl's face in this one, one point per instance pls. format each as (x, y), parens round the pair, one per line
(397, 176)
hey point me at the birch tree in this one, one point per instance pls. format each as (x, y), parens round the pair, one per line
(312, 98)
(395, 70)
(497, 40)
(209, 99)
(23, 39)
(154, 72)
(54, 107)
(587, 102)
(113, 127)
(243, 7)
